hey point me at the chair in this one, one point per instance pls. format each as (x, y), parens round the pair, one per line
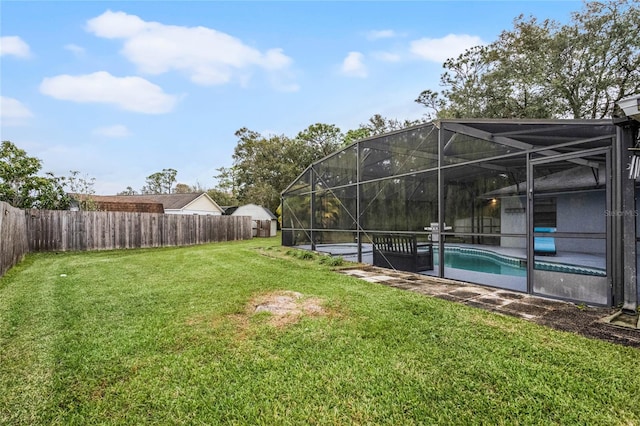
(544, 245)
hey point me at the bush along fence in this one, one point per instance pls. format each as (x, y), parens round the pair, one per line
(24, 231)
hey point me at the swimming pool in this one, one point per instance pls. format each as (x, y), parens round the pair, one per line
(479, 260)
(469, 258)
(482, 261)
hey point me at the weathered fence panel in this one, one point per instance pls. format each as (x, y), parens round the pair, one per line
(22, 231)
(262, 228)
(13, 236)
(58, 230)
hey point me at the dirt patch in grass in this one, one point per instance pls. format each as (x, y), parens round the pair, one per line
(286, 307)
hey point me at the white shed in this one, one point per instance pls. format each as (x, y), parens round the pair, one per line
(258, 213)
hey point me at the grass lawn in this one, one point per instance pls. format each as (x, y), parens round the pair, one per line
(170, 336)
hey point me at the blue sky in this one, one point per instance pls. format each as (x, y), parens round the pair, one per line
(121, 90)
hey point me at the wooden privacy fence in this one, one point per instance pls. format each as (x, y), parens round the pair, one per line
(60, 230)
(13, 236)
(262, 228)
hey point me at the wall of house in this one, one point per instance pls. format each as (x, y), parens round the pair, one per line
(513, 221)
(203, 204)
(582, 212)
(199, 206)
(196, 212)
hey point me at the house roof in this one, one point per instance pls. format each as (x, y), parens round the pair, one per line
(240, 210)
(169, 201)
(228, 210)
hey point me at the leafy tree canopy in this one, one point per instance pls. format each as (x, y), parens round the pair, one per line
(128, 191)
(546, 70)
(160, 182)
(377, 125)
(81, 188)
(22, 187)
(263, 166)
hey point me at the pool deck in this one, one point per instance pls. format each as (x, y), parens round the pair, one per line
(348, 251)
(594, 322)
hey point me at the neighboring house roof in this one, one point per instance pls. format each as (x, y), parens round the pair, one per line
(168, 201)
(255, 211)
(228, 210)
(113, 206)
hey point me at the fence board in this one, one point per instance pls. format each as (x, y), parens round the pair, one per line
(263, 228)
(22, 231)
(14, 241)
(54, 230)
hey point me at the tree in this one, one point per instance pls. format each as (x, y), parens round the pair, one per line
(264, 166)
(377, 125)
(128, 191)
(222, 198)
(355, 135)
(160, 182)
(598, 60)
(546, 70)
(81, 188)
(183, 188)
(226, 179)
(319, 140)
(20, 185)
(432, 100)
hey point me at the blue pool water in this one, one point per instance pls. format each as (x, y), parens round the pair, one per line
(492, 263)
(474, 259)
(482, 262)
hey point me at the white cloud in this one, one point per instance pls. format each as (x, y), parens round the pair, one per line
(354, 66)
(129, 93)
(441, 49)
(378, 34)
(206, 56)
(14, 45)
(115, 131)
(75, 49)
(13, 112)
(118, 25)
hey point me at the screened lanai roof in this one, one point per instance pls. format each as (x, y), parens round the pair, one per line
(463, 140)
(531, 133)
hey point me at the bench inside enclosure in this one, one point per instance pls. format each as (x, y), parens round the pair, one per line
(402, 252)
